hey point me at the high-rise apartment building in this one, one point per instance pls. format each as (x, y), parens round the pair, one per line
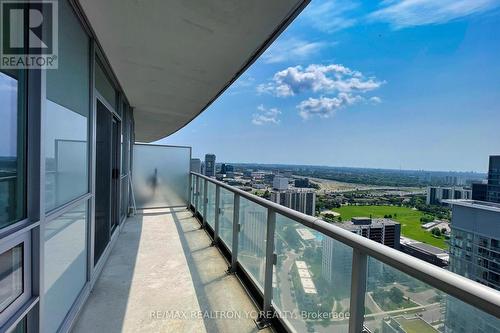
(300, 200)
(225, 168)
(475, 254)
(195, 165)
(454, 180)
(210, 165)
(336, 258)
(336, 265)
(280, 183)
(475, 241)
(301, 182)
(385, 231)
(494, 179)
(437, 194)
(479, 191)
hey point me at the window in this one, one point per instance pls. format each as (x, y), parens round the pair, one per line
(12, 148)
(11, 276)
(67, 111)
(65, 264)
(104, 86)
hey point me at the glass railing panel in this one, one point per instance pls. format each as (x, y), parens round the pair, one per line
(462, 317)
(252, 239)
(226, 204)
(311, 279)
(398, 302)
(211, 204)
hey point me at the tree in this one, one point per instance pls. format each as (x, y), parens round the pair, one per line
(436, 232)
(396, 295)
(426, 218)
(329, 217)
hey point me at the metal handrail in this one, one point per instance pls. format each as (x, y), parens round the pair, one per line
(464, 289)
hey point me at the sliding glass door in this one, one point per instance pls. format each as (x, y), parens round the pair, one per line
(107, 178)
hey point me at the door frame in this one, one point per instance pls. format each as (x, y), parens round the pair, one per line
(98, 266)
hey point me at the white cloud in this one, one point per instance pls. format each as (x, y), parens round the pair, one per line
(318, 78)
(325, 107)
(291, 49)
(265, 116)
(244, 80)
(331, 15)
(375, 100)
(407, 13)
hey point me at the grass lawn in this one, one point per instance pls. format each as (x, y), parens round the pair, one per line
(409, 219)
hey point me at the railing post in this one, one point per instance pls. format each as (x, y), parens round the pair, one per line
(358, 291)
(217, 214)
(205, 201)
(236, 230)
(196, 195)
(264, 320)
(191, 190)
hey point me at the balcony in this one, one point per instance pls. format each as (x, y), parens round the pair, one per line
(162, 275)
(233, 261)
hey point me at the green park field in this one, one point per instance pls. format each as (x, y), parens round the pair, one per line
(408, 217)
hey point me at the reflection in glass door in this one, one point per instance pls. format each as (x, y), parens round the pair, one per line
(103, 181)
(107, 178)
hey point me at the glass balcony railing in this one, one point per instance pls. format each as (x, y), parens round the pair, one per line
(312, 276)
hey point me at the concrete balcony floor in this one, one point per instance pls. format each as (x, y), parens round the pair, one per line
(161, 271)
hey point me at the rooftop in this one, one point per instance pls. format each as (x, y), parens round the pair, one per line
(491, 206)
(375, 223)
(427, 248)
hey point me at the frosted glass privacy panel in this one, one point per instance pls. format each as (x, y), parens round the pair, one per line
(160, 175)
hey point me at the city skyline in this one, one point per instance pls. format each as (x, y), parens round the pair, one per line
(393, 85)
(485, 172)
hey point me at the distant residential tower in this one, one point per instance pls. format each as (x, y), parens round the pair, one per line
(300, 200)
(210, 165)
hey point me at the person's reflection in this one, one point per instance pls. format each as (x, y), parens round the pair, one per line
(153, 181)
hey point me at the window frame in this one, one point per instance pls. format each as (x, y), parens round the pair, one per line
(21, 150)
(15, 305)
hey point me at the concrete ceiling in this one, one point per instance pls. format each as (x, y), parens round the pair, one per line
(174, 57)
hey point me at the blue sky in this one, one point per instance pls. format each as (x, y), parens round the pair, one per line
(412, 84)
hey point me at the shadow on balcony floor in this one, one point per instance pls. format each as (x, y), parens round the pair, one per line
(163, 276)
